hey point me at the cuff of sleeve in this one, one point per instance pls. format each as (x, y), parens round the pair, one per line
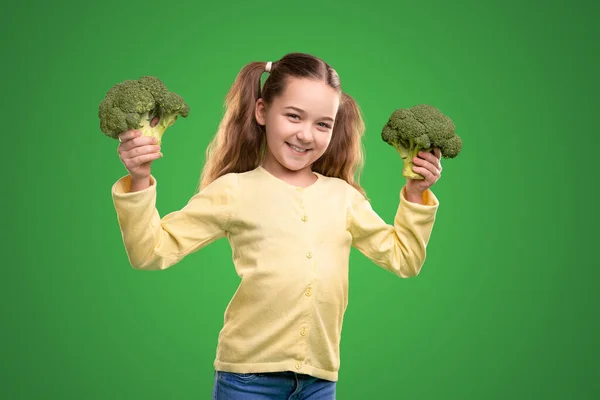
(121, 188)
(430, 201)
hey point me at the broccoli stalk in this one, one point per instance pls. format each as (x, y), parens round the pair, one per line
(408, 150)
(420, 128)
(144, 104)
(154, 123)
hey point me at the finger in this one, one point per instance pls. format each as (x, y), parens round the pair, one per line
(426, 173)
(433, 159)
(424, 164)
(428, 160)
(425, 155)
(437, 152)
(142, 150)
(128, 135)
(138, 142)
(144, 158)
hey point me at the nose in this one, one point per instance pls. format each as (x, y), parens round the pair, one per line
(304, 134)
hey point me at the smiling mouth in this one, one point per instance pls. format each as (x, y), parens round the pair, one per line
(297, 149)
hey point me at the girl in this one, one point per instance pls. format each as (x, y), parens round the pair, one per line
(279, 184)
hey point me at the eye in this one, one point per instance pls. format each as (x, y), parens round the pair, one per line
(292, 115)
(325, 125)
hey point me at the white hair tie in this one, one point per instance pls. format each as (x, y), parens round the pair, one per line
(268, 67)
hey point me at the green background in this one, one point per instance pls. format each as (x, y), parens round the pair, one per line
(506, 306)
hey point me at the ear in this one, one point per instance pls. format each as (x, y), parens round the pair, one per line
(260, 112)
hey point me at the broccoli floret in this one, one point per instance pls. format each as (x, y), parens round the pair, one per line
(144, 104)
(421, 127)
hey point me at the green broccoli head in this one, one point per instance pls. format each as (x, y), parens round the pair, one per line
(144, 104)
(421, 127)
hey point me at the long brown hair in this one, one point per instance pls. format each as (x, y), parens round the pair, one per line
(239, 143)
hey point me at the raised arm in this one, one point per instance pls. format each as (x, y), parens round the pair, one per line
(153, 243)
(399, 248)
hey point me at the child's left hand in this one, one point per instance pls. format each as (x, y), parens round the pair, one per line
(429, 166)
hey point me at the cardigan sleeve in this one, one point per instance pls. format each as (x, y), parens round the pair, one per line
(155, 243)
(399, 247)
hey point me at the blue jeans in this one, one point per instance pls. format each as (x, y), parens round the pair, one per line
(285, 385)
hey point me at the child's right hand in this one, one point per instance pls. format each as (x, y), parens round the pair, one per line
(137, 153)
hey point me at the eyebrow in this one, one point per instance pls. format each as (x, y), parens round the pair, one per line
(301, 111)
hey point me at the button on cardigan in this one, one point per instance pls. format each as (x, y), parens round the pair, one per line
(291, 249)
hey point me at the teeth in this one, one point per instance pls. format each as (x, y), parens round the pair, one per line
(297, 148)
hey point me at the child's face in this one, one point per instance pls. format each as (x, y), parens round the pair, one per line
(299, 123)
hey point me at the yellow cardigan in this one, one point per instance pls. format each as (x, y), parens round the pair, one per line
(291, 249)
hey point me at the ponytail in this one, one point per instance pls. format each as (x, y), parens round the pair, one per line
(239, 142)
